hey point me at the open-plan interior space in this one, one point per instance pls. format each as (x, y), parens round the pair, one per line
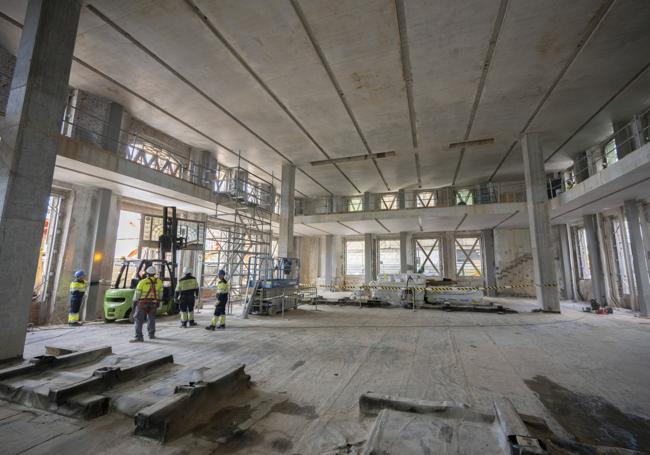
(325, 227)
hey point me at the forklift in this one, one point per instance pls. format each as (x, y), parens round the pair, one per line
(118, 300)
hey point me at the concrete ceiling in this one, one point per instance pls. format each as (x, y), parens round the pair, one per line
(304, 80)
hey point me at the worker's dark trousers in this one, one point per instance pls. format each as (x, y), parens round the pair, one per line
(219, 318)
(186, 306)
(145, 310)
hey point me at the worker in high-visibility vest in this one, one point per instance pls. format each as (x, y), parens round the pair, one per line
(187, 290)
(147, 297)
(223, 288)
(78, 288)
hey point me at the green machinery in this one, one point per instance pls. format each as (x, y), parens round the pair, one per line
(118, 301)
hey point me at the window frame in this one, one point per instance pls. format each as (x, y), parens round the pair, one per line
(477, 246)
(379, 247)
(417, 247)
(346, 260)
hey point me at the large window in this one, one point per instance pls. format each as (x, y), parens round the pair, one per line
(389, 256)
(620, 238)
(464, 197)
(428, 259)
(468, 256)
(425, 199)
(388, 201)
(354, 257)
(355, 204)
(584, 270)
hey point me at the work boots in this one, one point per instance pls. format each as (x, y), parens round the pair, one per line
(192, 323)
(210, 327)
(184, 324)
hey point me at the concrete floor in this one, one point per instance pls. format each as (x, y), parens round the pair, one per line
(586, 374)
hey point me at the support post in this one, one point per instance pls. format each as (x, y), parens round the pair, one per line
(107, 218)
(113, 129)
(369, 258)
(567, 270)
(641, 275)
(489, 262)
(30, 136)
(406, 257)
(540, 225)
(595, 262)
(287, 207)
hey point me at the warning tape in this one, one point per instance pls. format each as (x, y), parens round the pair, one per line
(428, 289)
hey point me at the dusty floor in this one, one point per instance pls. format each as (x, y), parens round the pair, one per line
(586, 374)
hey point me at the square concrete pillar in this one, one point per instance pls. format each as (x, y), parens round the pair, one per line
(369, 258)
(406, 256)
(401, 199)
(540, 225)
(567, 261)
(449, 255)
(113, 128)
(30, 135)
(368, 202)
(89, 237)
(489, 262)
(595, 262)
(287, 208)
(107, 219)
(639, 260)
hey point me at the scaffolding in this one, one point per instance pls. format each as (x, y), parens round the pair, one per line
(240, 235)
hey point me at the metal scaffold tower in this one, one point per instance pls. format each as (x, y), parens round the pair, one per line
(239, 236)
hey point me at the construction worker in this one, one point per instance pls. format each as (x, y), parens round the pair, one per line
(223, 288)
(146, 298)
(78, 288)
(187, 290)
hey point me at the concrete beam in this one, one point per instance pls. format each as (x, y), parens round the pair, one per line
(540, 225)
(30, 133)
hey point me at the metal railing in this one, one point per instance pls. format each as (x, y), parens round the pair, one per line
(615, 147)
(149, 153)
(489, 193)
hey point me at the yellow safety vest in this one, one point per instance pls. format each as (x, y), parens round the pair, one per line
(149, 288)
(223, 287)
(78, 286)
(187, 284)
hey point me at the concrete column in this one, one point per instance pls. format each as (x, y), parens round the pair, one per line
(328, 265)
(287, 207)
(567, 269)
(449, 255)
(489, 262)
(368, 203)
(406, 256)
(369, 259)
(30, 136)
(636, 128)
(401, 199)
(202, 167)
(113, 128)
(595, 262)
(641, 276)
(106, 219)
(540, 226)
(79, 248)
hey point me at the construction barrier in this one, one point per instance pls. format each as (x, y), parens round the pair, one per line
(429, 289)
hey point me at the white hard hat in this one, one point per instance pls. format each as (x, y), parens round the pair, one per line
(151, 270)
(187, 271)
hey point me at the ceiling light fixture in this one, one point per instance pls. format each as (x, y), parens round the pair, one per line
(489, 140)
(347, 159)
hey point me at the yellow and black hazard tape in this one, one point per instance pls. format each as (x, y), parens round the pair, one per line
(428, 289)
